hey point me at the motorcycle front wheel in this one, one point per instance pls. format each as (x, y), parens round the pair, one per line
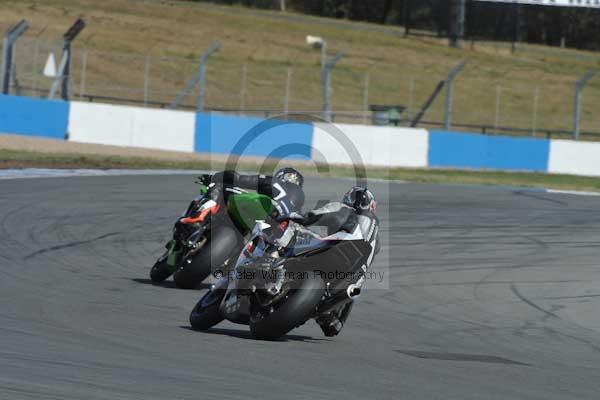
(206, 313)
(291, 312)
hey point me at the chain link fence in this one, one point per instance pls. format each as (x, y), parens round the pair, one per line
(262, 88)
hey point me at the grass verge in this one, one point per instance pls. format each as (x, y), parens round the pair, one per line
(31, 159)
(496, 87)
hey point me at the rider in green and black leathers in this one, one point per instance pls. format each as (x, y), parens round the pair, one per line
(285, 187)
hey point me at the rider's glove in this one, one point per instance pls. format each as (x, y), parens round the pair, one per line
(204, 179)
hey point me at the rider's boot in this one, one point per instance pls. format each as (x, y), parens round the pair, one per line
(332, 322)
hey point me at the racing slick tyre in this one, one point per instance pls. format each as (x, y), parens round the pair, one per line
(160, 271)
(206, 313)
(223, 243)
(290, 312)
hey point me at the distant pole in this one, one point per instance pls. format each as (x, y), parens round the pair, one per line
(411, 90)
(536, 98)
(243, 88)
(35, 65)
(326, 80)
(517, 17)
(202, 76)
(13, 70)
(282, 5)
(406, 17)
(288, 84)
(366, 97)
(457, 22)
(438, 89)
(579, 85)
(323, 55)
(68, 38)
(146, 80)
(497, 115)
(196, 79)
(449, 84)
(83, 73)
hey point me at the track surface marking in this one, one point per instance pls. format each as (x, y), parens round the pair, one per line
(492, 294)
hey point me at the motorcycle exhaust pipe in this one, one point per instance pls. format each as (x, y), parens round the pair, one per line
(353, 291)
(340, 299)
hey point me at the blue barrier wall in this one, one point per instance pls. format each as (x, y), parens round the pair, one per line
(243, 136)
(464, 150)
(33, 117)
(253, 136)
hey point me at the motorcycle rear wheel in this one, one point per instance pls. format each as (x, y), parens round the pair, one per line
(160, 271)
(290, 312)
(223, 243)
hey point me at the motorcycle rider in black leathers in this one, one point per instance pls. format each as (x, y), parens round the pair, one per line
(357, 210)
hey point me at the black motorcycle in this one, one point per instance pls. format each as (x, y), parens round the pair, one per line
(209, 233)
(285, 275)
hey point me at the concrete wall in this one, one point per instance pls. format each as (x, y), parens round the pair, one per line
(131, 126)
(34, 117)
(370, 145)
(245, 136)
(327, 143)
(577, 158)
(463, 150)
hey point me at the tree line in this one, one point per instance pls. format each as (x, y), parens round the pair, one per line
(573, 27)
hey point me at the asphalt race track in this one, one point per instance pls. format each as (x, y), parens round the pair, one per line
(493, 294)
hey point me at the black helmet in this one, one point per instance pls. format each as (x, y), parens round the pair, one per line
(290, 175)
(360, 198)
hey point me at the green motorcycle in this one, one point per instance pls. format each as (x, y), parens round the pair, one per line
(210, 233)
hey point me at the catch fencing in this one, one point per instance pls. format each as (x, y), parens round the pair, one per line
(262, 88)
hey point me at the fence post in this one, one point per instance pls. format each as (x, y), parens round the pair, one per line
(579, 85)
(10, 38)
(13, 71)
(84, 58)
(497, 114)
(457, 22)
(366, 97)
(34, 65)
(201, 95)
(411, 90)
(448, 106)
(199, 78)
(536, 98)
(146, 80)
(326, 78)
(243, 88)
(323, 55)
(288, 84)
(68, 38)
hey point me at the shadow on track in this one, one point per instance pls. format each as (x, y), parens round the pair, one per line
(244, 334)
(168, 284)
